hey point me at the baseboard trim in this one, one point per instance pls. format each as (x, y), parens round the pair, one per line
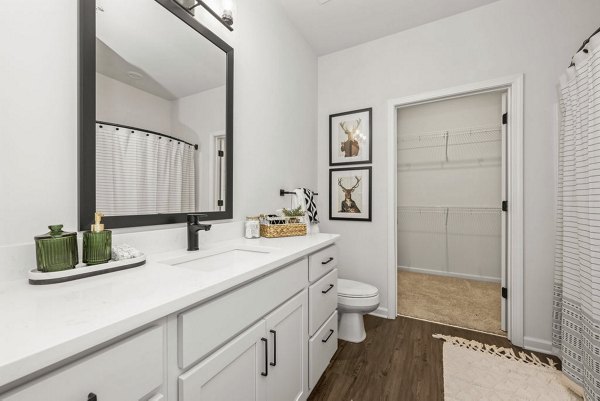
(449, 274)
(381, 312)
(538, 345)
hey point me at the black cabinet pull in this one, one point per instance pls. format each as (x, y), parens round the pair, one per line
(329, 289)
(274, 363)
(266, 372)
(327, 261)
(330, 334)
(92, 397)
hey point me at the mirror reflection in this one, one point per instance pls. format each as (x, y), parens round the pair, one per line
(160, 113)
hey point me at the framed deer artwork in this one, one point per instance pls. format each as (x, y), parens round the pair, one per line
(350, 194)
(350, 136)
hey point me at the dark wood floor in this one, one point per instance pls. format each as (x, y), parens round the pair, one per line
(399, 361)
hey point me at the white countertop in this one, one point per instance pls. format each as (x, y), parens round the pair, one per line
(43, 325)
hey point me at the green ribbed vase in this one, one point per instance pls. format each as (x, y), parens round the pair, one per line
(57, 250)
(96, 247)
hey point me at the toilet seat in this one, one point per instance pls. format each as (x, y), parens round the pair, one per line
(358, 303)
(355, 289)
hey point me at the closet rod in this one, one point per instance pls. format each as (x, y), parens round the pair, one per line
(146, 131)
(448, 208)
(451, 132)
(584, 44)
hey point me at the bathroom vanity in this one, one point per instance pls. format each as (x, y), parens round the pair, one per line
(234, 320)
(237, 320)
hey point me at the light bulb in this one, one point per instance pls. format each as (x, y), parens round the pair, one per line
(227, 14)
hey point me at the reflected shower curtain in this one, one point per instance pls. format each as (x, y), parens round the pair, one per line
(139, 173)
(576, 314)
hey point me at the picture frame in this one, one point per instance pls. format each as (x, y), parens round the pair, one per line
(350, 137)
(350, 194)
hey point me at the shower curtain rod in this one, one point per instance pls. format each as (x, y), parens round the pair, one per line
(147, 132)
(584, 44)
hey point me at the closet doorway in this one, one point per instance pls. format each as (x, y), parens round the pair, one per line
(450, 189)
(511, 224)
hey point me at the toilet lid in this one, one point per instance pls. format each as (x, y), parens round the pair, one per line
(355, 289)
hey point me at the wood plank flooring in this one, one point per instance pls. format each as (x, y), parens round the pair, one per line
(399, 361)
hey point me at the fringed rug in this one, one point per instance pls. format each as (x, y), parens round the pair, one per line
(474, 372)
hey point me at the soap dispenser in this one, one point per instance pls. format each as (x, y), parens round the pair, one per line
(97, 243)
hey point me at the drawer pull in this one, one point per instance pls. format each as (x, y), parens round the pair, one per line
(274, 363)
(327, 261)
(330, 334)
(329, 289)
(266, 372)
(92, 397)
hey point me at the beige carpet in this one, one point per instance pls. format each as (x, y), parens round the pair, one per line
(475, 372)
(448, 300)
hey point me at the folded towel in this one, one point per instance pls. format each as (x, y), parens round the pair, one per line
(306, 199)
(123, 252)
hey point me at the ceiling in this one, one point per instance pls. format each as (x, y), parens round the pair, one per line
(166, 58)
(339, 24)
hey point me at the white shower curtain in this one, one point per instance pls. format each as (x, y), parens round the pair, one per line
(138, 173)
(576, 315)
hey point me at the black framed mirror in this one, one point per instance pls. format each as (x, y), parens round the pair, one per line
(155, 115)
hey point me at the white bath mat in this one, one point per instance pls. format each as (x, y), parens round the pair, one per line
(474, 372)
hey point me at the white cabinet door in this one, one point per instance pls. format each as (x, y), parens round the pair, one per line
(288, 350)
(235, 372)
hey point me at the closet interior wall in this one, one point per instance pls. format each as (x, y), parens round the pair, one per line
(449, 187)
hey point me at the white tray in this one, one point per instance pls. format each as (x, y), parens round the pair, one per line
(37, 277)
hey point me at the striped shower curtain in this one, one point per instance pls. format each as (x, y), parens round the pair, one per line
(576, 314)
(138, 173)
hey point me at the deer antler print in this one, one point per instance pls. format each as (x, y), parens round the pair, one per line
(348, 204)
(349, 189)
(350, 147)
(350, 129)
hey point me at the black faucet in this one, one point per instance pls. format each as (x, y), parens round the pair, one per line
(193, 226)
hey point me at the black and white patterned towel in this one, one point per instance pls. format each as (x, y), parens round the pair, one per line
(306, 199)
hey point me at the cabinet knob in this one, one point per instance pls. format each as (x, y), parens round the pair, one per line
(92, 397)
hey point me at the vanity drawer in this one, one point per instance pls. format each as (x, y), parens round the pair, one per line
(322, 262)
(129, 370)
(321, 348)
(203, 329)
(322, 300)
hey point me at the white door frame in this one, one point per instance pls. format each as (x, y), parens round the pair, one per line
(514, 86)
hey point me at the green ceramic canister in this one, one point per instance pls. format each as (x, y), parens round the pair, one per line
(56, 250)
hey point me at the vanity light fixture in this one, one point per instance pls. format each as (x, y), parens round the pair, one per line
(226, 19)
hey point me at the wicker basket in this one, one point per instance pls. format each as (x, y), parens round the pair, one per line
(282, 227)
(282, 230)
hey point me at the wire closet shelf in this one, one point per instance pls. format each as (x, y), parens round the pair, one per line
(446, 138)
(449, 209)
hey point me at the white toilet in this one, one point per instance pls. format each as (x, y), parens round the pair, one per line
(354, 300)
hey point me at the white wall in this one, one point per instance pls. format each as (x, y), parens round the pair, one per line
(460, 244)
(199, 116)
(535, 37)
(114, 100)
(275, 108)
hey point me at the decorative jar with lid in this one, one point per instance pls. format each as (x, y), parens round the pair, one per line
(56, 250)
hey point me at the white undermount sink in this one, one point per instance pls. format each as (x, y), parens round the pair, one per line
(234, 257)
